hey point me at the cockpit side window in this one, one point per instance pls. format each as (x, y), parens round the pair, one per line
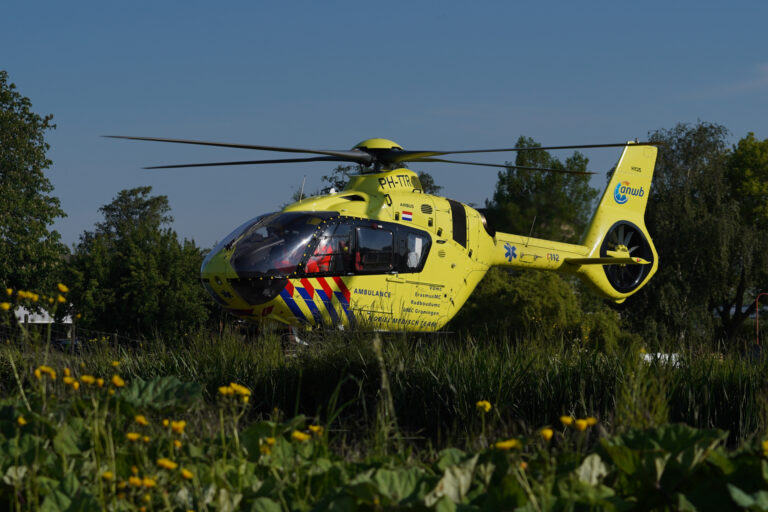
(374, 251)
(333, 252)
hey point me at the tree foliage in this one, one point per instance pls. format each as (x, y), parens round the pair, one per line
(559, 203)
(131, 274)
(30, 252)
(704, 216)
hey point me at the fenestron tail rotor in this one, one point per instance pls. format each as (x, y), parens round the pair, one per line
(373, 154)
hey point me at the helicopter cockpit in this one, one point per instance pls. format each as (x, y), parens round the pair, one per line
(268, 250)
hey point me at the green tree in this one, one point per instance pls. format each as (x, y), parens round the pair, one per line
(132, 275)
(748, 175)
(713, 248)
(559, 203)
(30, 252)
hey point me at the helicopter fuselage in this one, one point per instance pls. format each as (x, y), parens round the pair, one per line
(380, 254)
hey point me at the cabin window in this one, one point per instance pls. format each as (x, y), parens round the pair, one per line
(374, 250)
(412, 251)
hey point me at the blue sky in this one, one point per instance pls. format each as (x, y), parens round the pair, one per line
(429, 75)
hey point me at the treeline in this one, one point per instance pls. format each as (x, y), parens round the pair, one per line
(708, 217)
(707, 214)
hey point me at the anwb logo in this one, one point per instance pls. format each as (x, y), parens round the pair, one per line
(622, 192)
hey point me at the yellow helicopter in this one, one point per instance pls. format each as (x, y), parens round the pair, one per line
(382, 254)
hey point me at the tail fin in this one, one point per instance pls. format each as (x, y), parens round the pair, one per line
(618, 228)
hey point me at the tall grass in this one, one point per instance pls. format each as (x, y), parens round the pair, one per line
(436, 380)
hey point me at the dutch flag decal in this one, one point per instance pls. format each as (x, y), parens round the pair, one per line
(408, 216)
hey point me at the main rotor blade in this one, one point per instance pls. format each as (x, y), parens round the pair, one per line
(525, 168)
(354, 155)
(402, 156)
(256, 162)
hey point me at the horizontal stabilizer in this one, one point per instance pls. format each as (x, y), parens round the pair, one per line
(607, 261)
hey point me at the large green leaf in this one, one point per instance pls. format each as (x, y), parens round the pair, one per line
(756, 501)
(162, 393)
(454, 484)
(265, 505)
(69, 438)
(397, 484)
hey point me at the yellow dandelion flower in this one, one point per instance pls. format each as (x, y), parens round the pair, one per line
(566, 420)
(5, 306)
(68, 380)
(178, 426)
(122, 484)
(9, 291)
(50, 300)
(581, 425)
(186, 474)
(100, 382)
(166, 422)
(145, 439)
(141, 420)
(509, 444)
(167, 463)
(61, 299)
(76, 386)
(316, 429)
(135, 481)
(67, 372)
(270, 441)
(147, 498)
(765, 448)
(148, 482)
(117, 381)
(110, 391)
(240, 390)
(591, 421)
(483, 405)
(107, 475)
(133, 436)
(115, 363)
(134, 470)
(38, 374)
(546, 433)
(245, 398)
(177, 443)
(21, 421)
(226, 390)
(88, 379)
(62, 288)
(523, 465)
(300, 436)
(78, 316)
(265, 449)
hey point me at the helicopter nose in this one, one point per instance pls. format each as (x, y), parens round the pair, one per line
(215, 274)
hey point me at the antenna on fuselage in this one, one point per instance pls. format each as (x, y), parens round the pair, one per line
(301, 192)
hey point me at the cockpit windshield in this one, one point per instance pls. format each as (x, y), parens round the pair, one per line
(275, 244)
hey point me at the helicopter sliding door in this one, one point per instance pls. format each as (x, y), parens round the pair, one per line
(369, 273)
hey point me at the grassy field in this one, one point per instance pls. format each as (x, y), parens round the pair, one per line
(394, 420)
